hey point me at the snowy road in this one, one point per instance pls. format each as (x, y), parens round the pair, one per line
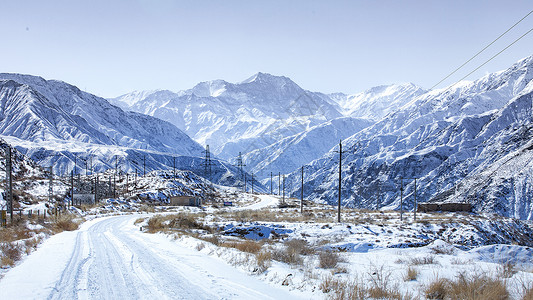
(109, 258)
(266, 201)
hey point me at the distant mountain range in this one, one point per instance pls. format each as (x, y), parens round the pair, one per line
(273, 122)
(471, 142)
(56, 124)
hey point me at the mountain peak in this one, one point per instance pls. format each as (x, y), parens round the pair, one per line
(261, 77)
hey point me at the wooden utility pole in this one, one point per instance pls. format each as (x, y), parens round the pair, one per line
(416, 204)
(340, 182)
(72, 187)
(302, 193)
(283, 199)
(9, 179)
(50, 185)
(96, 189)
(252, 183)
(173, 167)
(270, 183)
(279, 183)
(401, 200)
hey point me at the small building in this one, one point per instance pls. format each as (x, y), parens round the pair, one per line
(449, 207)
(185, 201)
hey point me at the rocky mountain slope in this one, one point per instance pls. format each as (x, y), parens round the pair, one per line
(467, 143)
(56, 124)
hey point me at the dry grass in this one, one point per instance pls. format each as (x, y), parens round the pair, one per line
(263, 261)
(10, 253)
(139, 221)
(249, 246)
(331, 284)
(437, 289)
(507, 269)
(528, 293)
(65, 222)
(468, 288)
(426, 260)
(176, 222)
(328, 260)
(412, 274)
(299, 246)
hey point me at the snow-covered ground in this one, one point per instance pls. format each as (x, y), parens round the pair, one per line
(109, 258)
(114, 257)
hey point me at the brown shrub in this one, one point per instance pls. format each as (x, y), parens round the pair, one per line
(249, 246)
(328, 260)
(299, 246)
(426, 260)
(437, 289)
(468, 288)
(331, 284)
(412, 274)
(11, 252)
(65, 223)
(287, 255)
(528, 293)
(263, 260)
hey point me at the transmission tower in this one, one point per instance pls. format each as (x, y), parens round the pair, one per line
(240, 165)
(208, 163)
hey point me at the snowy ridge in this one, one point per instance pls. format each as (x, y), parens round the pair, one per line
(55, 123)
(453, 140)
(238, 117)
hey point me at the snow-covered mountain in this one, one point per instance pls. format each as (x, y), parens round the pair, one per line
(277, 125)
(294, 151)
(56, 124)
(470, 142)
(240, 117)
(377, 102)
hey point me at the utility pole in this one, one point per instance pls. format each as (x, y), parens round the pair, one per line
(283, 199)
(279, 183)
(302, 193)
(72, 187)
(50, 185)
(96, 189)
(416, 204)
(270, 183)
(239, 165)
(340, 182)
(401, 200)
(173, 167)
(252, 183)
(114, 186)
(9, 179)
(127, 182)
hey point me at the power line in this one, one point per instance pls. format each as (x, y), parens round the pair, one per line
(523, 35)
(490, 44)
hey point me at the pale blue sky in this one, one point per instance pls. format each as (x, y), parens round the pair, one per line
(109, 47)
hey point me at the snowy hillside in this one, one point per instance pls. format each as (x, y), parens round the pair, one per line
(294, 151)
(58, 125)
(238, 117)
(470, 142)
(377, 102)
(35, 109)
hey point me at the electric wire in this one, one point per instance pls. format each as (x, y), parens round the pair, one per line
(469, 60)
(523, 35)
